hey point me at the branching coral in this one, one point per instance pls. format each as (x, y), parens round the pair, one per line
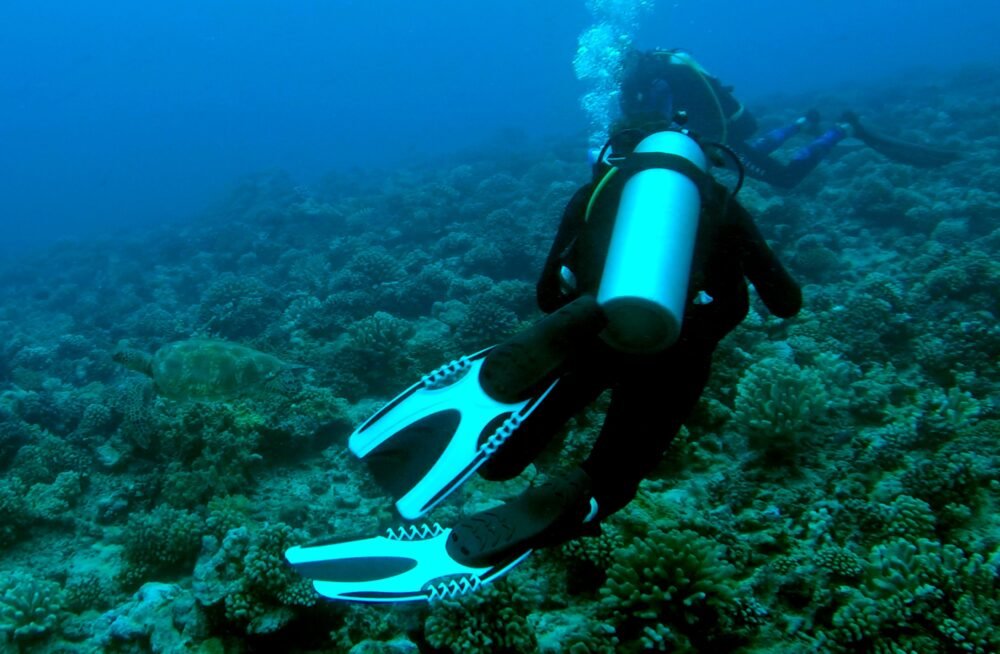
(236, 307)
(51, 502)
(778, 405)
(494, 620)
(164, 541)
(247, 577)
(133, 401)
(15, 515)
(29, 606)
(13, 434)
(675, 578)
(372, 268)
(910, 518)
(377, 352)
(921, 592)
(485, 323)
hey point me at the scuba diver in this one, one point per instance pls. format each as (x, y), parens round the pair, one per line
(647, 273)
(657, 84)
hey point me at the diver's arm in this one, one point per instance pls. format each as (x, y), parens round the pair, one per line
(550, 296)
(780, 293)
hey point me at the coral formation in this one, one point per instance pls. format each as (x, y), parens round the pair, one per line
(835, 491)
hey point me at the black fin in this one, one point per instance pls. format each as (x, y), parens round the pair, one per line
(912, 154)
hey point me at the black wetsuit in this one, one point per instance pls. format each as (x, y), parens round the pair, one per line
(652, 395)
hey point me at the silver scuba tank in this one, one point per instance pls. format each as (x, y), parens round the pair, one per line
(644, 286)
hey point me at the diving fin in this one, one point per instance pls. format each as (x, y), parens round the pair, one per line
(426, 442)
(407, 564)
(429, 562)
(913, 154)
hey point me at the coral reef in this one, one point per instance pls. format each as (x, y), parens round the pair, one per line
(835, 491)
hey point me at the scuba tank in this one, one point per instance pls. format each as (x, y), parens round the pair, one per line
(644, 285)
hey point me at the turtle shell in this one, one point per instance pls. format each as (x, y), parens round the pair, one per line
(211, 370)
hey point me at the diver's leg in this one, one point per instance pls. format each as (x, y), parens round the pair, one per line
(777, 137)
(571, 394)
(647, 410)
(768, 169)
(806, 158)
(549, 514)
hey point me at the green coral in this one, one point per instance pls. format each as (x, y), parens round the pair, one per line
(777, 404)
(374, 267)
(840, 563)
(51, 502)
(236, 307)
(920, 592)
(949, 477)
(910, 518)
(88, 591)
(673, 577)
(248, 578)
(587, 559)
(377, 346)
(205, 452)
(29, 606)
(14, 511)
(372, 626)
(945, 414)
(492, 620)
(226, 513)
(164, 541)
(594, 637)
(485, 322)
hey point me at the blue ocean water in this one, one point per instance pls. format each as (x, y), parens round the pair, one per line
(118, 115)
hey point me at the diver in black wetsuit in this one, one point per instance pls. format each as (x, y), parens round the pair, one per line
(651, 344)
(651, 394)
(646, 275)
(659, 83)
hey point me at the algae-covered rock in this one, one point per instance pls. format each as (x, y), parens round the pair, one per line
(202, 369)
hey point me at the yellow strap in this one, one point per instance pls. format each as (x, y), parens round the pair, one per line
(685, 59)
(597, 191)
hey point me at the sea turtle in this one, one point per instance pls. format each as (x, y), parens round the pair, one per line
(202, 369)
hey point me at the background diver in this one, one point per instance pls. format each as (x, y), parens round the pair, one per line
(646, 274)
(657, 84)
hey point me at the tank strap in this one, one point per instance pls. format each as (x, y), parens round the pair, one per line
(637, 162)
(640, 161)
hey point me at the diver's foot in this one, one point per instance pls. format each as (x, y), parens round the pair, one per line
(549, 514)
